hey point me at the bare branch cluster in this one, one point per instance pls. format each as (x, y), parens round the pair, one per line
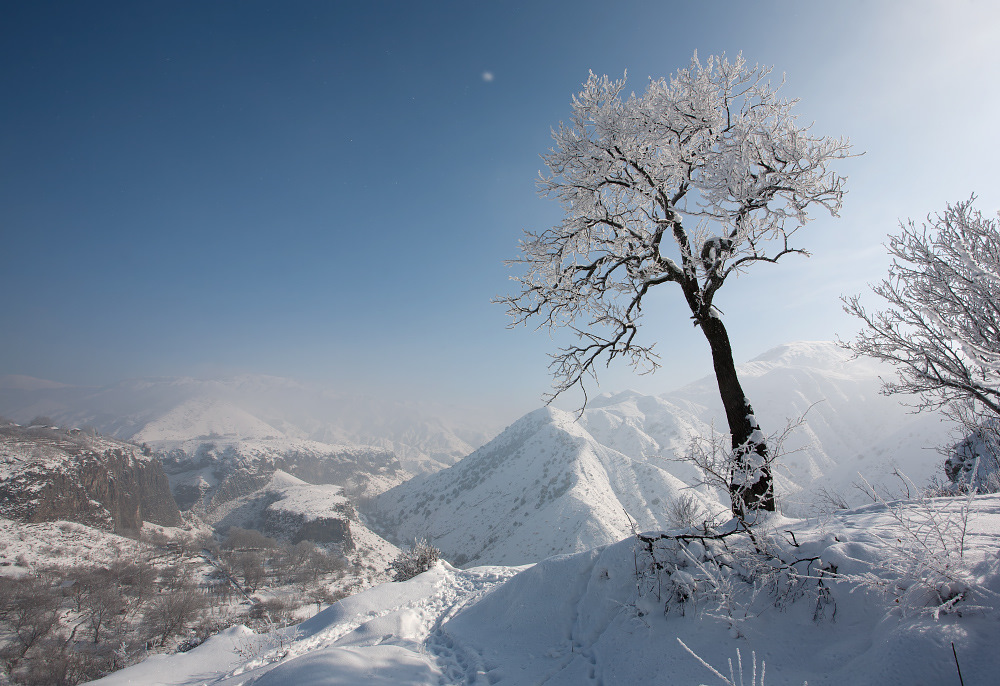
(941, 328)
(714, 146)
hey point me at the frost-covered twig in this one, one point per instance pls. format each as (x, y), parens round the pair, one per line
(735, 678)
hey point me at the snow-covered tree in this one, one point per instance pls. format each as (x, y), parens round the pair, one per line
(692, 182)
(941, 328)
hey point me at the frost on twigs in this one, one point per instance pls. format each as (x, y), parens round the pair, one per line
(924, 563)
(734, 470)
(691, 181)
(736, 676)
(735, 569)
(724, 572)
(941, 325)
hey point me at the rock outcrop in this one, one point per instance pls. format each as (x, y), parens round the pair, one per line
(49, 474)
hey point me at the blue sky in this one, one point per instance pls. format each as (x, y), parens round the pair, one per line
(327, 190)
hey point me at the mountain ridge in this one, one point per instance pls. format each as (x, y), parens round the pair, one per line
(584, 482)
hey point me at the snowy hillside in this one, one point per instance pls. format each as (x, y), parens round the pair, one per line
(589, 618)
(543, 487)
(170, 411)
(550, 485)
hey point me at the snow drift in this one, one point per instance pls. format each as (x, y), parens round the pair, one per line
(581, 619)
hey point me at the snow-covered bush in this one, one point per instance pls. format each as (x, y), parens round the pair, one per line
(726, 573)
(736, 676)
(973, 464)
(685, 511)
(420, 557)
(722, 468)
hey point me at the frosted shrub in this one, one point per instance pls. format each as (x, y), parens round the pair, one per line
(685, 512)
(923, 561)
(722, 572)
(736, 676)
(418, 559)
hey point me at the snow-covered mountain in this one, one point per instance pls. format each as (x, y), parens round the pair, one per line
(172, 413)
(550, 484)
(543, 487)
(849, 427)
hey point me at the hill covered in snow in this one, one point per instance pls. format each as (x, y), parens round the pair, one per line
(552, 484)
(545, 486)
(610, 616)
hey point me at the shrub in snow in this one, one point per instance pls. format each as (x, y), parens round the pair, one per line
(974, 462)
(736, 676)
(685, 512)
(726, 573)
(420, 557)
(725, 469)
(923, 562)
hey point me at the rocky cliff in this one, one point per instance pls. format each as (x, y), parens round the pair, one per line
(49, 474)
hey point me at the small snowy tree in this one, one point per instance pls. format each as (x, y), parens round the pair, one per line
(941, 328)
(691, 182)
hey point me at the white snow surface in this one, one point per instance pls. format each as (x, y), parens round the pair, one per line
(577, 620)
(311, 501)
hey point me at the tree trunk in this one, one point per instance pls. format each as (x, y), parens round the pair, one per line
(751, 484)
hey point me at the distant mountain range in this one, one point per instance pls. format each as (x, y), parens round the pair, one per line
(550, 484)
(280, 414)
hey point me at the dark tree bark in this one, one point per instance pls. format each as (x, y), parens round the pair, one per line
(749, 448)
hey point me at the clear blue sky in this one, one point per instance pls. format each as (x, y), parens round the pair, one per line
(326, 190)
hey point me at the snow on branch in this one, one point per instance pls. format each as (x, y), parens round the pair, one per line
(941, 327)
(696, 178)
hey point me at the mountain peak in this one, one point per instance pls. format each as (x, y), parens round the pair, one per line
(805, 353)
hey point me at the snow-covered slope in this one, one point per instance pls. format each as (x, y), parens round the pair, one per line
(585, 619)
(545, 486)
(550, 484)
